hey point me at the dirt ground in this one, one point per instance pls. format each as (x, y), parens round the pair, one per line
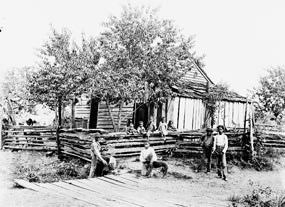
(196, 189)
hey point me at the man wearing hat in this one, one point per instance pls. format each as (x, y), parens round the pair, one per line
(207, 144)
(220, 147)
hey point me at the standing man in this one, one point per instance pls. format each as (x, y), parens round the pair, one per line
(220, 147)
(207, 145)
(96, 157)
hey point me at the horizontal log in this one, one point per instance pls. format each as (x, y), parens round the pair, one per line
(76, 155)
(274, 145)
(136, 149)
(28, 127)
(29, 144)
(28, 140)
(31, 148)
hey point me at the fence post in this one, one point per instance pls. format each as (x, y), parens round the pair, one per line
(245, 116)
(251, 128)
(58, 143)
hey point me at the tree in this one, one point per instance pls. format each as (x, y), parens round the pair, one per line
(64, 70)
(141, 54)
(14, 92)
(271, 92)
(213, 101)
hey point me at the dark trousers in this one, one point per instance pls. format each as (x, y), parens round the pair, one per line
(156, 164)
(221, 162)
(208, 156)
(97, 166)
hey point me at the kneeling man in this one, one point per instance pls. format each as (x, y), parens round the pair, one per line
(149, 161)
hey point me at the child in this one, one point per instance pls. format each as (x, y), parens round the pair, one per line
(162, 128)
(141, 129)
(207, 145)
(131, 130)
(150, 126)
(171, 127)
(149, 161)
(96, 157)
(221, 146)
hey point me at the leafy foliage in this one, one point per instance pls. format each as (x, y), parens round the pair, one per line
(259, 196)
(270, 93)
(64, 69)
(141, 53)
(216, 94)
(14, 92)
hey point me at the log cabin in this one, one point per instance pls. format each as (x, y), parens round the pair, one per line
(188, 109)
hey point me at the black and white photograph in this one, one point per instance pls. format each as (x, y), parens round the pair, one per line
(142, 103)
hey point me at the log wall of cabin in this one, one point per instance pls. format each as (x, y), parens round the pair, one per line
(104, 120)
(82, 111)
(194, 75)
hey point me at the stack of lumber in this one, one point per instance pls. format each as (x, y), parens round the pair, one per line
(39, 138)
(77, 144)
(190, 143)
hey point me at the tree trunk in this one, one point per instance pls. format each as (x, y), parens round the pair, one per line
(11, 112)
(1, 126)
(58, 128)
(59, 112)
(111, 115)
(120, 116)
(72, 124)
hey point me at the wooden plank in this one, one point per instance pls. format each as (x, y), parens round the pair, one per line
(116, 192)
(43, 188)
(103, 198)
(69, 193)
(123, 180)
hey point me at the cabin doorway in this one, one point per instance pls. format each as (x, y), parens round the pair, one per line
(141, 114)
(93, 113)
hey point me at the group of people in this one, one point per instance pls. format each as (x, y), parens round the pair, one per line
(217, 144)
(211, 143)
(163, 128)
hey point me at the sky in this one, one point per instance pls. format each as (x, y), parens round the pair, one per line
(240, 39)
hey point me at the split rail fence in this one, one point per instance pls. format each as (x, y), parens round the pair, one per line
(75, 143)
(37, 138)
(189, 143)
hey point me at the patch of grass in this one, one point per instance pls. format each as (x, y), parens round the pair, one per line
(259, 197)
(35, 167)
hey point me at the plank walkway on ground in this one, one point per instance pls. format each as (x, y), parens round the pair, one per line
(112, 190)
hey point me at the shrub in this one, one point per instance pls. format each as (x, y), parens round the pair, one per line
(259, 197)
(35, 167)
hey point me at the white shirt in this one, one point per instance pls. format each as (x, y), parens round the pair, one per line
(221, 140)
(148, 152)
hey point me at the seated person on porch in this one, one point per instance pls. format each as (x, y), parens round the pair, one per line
(141, 129)
(162, 128)
(100, 165)
(150, 126)
(171, 127)
(149, 161)
(131, 130)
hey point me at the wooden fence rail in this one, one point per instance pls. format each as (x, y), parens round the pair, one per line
(77, 144)
(190, 144)
(39, 138)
